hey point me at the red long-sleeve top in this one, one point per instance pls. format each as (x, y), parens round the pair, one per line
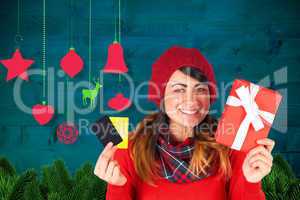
(210, 188)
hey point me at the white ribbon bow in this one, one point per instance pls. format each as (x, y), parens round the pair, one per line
(253, 113)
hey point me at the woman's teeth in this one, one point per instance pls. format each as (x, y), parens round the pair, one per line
(189, 112)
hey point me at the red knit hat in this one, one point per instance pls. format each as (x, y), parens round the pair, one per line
(171, 60)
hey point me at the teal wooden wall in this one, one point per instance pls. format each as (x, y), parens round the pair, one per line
(254, 40)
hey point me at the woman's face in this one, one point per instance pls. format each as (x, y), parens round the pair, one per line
(186, 100)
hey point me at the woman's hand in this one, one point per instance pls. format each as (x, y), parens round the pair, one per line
(259, 161)
(108, 169)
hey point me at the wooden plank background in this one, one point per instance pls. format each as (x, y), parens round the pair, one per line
(253, 40)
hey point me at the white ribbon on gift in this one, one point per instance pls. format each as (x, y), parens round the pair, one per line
(253, 113)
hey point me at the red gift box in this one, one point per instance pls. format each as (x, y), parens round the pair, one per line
(248, 115)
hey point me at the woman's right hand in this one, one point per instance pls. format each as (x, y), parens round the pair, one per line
(108, 169)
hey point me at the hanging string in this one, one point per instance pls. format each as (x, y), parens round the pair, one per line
(120, 30)
(71, 24)
(44, 50)
(67, 107)
(18, 37)
(18, 23)
(90, 42)
(71, 47)
(119, 21)
(115, 20)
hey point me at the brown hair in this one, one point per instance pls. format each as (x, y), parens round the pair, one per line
(144, 154)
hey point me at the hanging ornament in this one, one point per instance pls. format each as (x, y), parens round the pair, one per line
(42, 113)
(90, 94)
(115, 58)
(71, 63)
(116, 64)
(119, 102)
(67, 133)
(17, 66)
(115, 61)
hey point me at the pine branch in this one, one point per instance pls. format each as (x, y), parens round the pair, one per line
(6, 167)
(32, 191)
(19, 188)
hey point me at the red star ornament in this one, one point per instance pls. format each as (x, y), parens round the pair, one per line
(17, 66)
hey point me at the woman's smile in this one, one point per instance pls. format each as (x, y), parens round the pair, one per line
(189, 112)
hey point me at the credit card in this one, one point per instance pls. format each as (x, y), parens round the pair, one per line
(106, 132)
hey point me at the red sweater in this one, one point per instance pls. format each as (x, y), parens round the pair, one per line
(211, 188)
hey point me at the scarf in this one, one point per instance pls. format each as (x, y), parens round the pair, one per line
(175, 158)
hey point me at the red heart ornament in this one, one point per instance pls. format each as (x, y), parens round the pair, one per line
(42, 113)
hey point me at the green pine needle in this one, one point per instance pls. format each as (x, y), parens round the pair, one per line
(6, 185)
(6, 167)
(32, 191)
(281, 183)
(18, 190)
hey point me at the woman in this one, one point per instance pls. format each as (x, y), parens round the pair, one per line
(173, 154)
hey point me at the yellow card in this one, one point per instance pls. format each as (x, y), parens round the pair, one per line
(122, 125)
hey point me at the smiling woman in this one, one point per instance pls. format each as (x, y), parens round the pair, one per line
(173, 154)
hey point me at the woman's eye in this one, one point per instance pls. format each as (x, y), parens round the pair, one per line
(179, 90)
(201, 90)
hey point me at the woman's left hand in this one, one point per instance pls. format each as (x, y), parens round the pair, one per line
(259, 161)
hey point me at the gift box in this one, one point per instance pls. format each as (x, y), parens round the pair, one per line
(248, 115)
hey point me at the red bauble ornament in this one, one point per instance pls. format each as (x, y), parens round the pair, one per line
(71, 63)
(119, 102)
(115, 61)
(42, 113)
(67, 133)
(17, 66)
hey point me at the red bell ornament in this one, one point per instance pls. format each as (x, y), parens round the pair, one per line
(71, 63)
(115, 61)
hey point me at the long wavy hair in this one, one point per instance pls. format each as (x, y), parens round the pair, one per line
(207, 153)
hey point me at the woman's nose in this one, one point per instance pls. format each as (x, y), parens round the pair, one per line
(190, 97)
